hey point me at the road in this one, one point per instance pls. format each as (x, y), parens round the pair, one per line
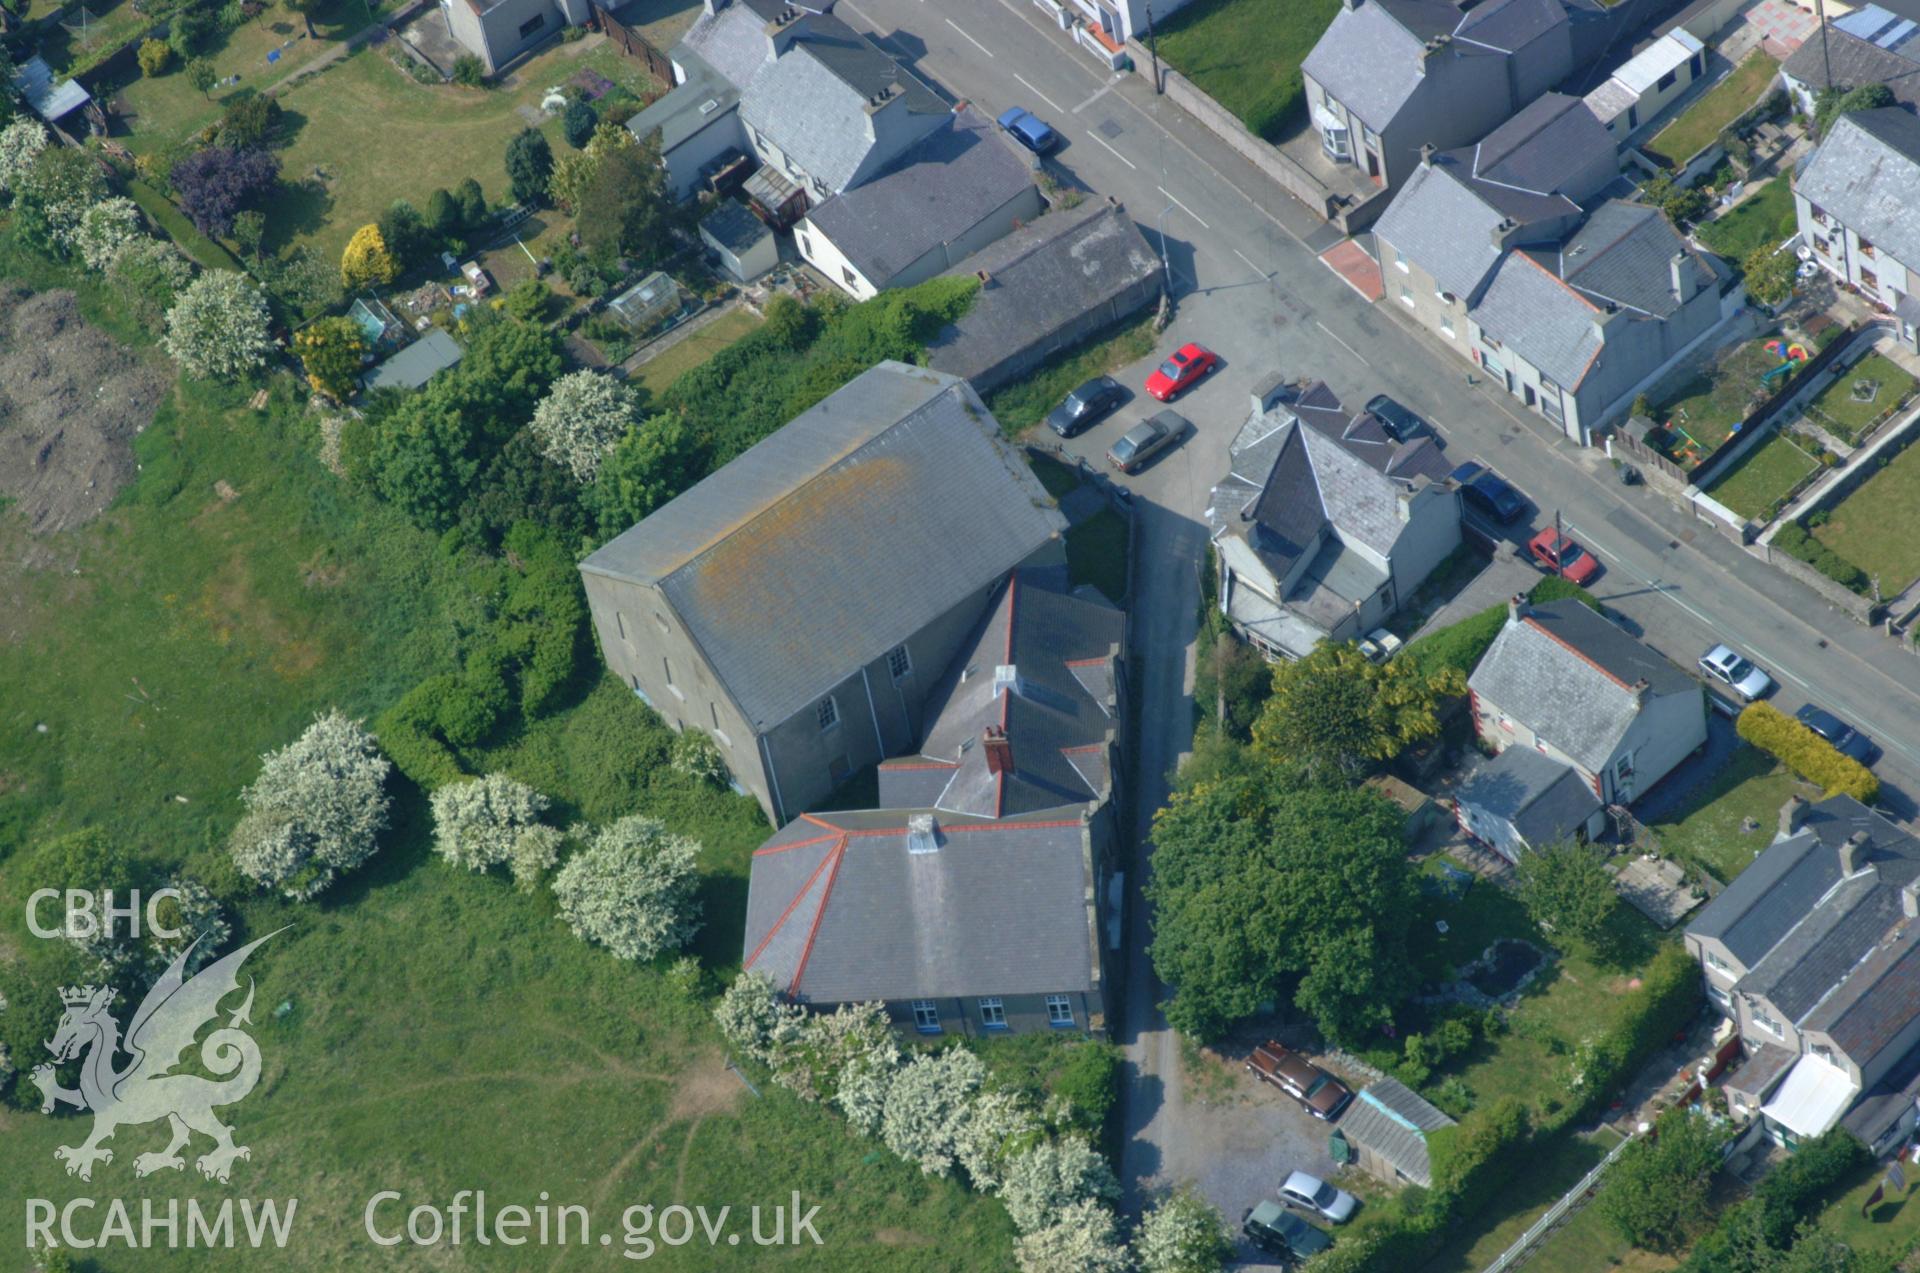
(1242, 258)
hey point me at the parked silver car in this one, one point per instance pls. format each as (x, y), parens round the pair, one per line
(1723, 664)
(1310, 1193)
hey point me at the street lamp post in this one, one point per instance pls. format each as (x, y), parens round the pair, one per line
(1153, 50)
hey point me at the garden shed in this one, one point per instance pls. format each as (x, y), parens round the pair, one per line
(1385, 1132)
(647, 303)
(413, 366)
(741, 240)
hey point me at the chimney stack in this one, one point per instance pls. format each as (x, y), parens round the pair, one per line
(1268, 393)
(1642, 690)
(1677, 272)
(1792, 814)
(1853, 854)
(1426, 152)
(1516, 606)
(1910, 900)
(999, 749)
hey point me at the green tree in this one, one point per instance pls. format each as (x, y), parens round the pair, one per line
(1567, 890)
(1770, 275)
(249, 231)
(331, 349)
(252, 120)
(626, 207)
(153, 57)
(649, 466)
(201, 75)
(1831, 103)
(1183, 1233)
(367, 261)
(527, 300)
(529, 166)
(443, 214)
(473, 203)
(577, 123)
(405, 233)
(1260, 876)
(1656, 1194)
(1335, 712)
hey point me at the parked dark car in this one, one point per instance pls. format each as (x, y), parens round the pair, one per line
(1086, 406)
(1281, 1233)
(1318, 1092)
(1147, 439)
(1401, 423)
(1030, 130)
(1489, 493)
(1847, 740)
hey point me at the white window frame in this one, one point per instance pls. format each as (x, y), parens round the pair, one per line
(1717, 964)
(827, 714)
(926, 1016)
(993, 1013)
(1624, 769)
(1337, 143)
(1767, 1023)
(1400, 262)
(899, 663)
(1059, 1011)
(1446, 324)
(1406, 296)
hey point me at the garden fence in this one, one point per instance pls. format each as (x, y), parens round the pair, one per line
(1576, 1197)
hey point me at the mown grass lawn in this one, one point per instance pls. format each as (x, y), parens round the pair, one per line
(1891, 1225)
(1246, 55)
(1707, 832)
(1587, 1242)
(656, 374)
(1551, 1170)
(1021, 405)
(1710, 113)
(1706, 408)
(1883, 385)
(1761, 478)
(424, 1030)
(1877, 528)
(1764, 220)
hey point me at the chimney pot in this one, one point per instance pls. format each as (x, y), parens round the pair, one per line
(999, 750)
(1853, 854)
(1792, 814)
(1426, 152)
(1516, 606)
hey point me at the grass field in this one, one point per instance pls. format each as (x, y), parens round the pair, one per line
(1707, 832)
(1247, 57)
(1551, 1170)
(1877, 528)
(1024, 403)
(1891, 1225)
(1707, 407)
(1762, 477)
(656, 374)
(1710, 114)
(440, 1031)
(1587, 1242)
(1764, 220)
(1883, 384)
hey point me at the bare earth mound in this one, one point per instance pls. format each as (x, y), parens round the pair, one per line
(71, 402)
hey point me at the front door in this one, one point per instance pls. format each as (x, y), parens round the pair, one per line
(1527, 392)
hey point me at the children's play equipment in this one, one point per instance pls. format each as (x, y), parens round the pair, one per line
(1790, 356)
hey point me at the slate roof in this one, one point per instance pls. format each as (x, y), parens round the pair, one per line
(1440, 223)
(1368, 62)
(813, 101)
(1510, 25)
(1544, 800)
(946, 185)
(1545, 149)
(839, 910)
(734, 227)
(1866, 174)
(1043, 277)
(1624, 254)
(732, 41)
(1835, 952)
(1569, 675)
(848, 530)
(1856, 60)
(1394, 1121)
(1527, 306)
(1887, 1101)
(413, 366)
(1058, 713)
(682, 112)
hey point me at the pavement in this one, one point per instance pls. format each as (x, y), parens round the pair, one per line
(1243, 260)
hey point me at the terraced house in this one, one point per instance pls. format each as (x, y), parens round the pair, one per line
(1857, 200)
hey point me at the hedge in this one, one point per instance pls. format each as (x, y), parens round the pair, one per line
(1671, 985)
(1793, 539)
(1795, 1192)
(1806, 753)
(1460, 645)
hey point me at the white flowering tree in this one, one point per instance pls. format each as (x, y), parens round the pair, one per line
(754, 1018)
(103, 230)
(696, 756)
(217, 329)
(1183, 1233)
(20, 143)
(1050, 1177)
(581, 419)
(998, 1126)
(632, 889)
(1086, 1239)
(927, 1108)
(197, 920)
(495, 821)
(315, 809)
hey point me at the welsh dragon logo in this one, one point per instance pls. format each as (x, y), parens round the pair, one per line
(163, 1028)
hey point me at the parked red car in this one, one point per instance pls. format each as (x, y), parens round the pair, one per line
(1564, 557)
(1181, 372)
(1318, 1092)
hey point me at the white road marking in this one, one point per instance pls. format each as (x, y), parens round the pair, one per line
(1250, 265)
(1343, 344)
(969, 39)
(1036, 92)
(1099, 93)
(1183, 207)
(1116, 154)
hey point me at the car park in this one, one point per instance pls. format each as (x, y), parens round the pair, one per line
(1183, 369)
(1725, 665)
(1318, 1092)
(1558, 553)
(1846, 740)
(1281, 1233)
(1030, 130)
(1401, 423)
(1312, 1194)
(1147, 439)
(1488, 492)
(1086, 406)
